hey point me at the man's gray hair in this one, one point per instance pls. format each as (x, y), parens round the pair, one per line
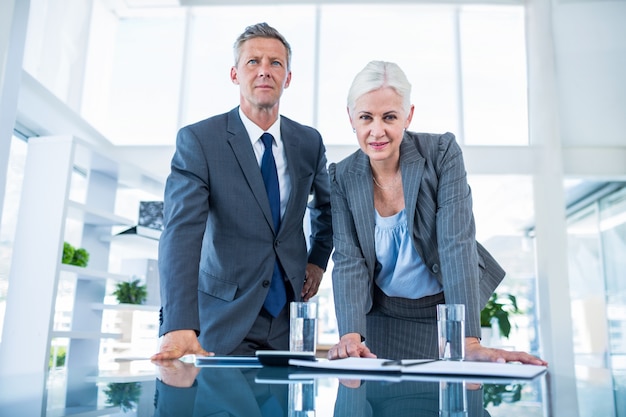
(260, 30)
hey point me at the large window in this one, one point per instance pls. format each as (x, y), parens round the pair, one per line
(148, 71)
(160, 69)
(596, 246)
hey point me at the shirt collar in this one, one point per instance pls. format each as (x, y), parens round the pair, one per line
(255, 131)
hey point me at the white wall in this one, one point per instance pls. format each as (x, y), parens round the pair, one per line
(591, 66)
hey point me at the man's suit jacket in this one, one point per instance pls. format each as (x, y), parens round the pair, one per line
(438, 206)
(218, 247)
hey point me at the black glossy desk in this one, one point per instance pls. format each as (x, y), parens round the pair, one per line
(270, 391)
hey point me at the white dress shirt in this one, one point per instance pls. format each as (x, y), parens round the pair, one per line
(255, 132)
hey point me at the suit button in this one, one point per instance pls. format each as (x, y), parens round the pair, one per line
(276, 243)
(266, 284)
(435, 269)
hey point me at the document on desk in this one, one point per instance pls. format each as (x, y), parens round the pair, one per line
(425, 367)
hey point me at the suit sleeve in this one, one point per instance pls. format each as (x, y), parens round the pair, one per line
(351, 281)
(456, 234)
(185, 215)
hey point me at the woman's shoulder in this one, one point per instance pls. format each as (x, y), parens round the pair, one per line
(356, 162)
(431, 145)
(433, 140)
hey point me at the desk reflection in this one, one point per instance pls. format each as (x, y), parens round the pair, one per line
(278, 392)
(411, 398)
(230, 391)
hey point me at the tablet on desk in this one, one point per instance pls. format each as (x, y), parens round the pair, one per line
(281, 357)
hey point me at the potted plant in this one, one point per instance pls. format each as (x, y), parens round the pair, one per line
(68, 253)
(74, 256)
(497, 312)
(80, 258)
(130, 292)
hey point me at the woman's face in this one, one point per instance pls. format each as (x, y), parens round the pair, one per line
(379, 119)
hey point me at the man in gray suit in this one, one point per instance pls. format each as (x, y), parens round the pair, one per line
(225, 245)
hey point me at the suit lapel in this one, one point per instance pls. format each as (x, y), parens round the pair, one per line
(363, 197)
(242, 148)
(290, 144)
(412, 167)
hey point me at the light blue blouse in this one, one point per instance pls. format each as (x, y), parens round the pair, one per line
(403, 273)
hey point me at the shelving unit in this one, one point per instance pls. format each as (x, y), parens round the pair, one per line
(70, 193)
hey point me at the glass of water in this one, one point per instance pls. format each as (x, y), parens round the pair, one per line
(451, 331)
(302, 326)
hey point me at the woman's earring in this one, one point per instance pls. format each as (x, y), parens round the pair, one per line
(353, 130)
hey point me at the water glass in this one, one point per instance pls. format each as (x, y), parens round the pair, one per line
(451, 331)
(302, 326)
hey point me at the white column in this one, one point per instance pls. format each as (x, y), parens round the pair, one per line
(33, 279)
(550, 221)
(13, 23)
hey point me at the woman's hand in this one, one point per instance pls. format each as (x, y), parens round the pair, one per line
(350, 345)
(474, 351)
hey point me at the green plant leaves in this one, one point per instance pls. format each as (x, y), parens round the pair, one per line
(130, 292)
(68, 253)
(498, 309)
(123, 394)
(74, 256)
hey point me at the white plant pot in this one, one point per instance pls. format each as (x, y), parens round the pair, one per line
(486, 334)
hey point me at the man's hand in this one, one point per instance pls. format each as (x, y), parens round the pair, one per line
(312, 280)
(350, 345)
(178, 343)
(474, 351)
(176, 373)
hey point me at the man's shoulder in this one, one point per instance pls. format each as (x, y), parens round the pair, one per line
(218, 119)
(287, 123)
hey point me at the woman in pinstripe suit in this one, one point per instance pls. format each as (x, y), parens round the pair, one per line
(404, 232)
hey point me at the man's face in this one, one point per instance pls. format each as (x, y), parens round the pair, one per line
(261, 72)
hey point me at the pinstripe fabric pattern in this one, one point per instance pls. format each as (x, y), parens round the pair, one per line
(407, 398)
(382, 399)
(438, 203)
(400, 328)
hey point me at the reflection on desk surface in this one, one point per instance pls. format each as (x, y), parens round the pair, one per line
(277, 391)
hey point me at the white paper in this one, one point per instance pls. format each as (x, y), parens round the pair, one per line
(470, 368)
(349, 364)
(426, 367)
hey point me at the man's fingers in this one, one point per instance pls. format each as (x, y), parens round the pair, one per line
(166, 355)
(202, 352)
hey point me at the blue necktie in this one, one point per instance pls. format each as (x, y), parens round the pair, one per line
(276, 297)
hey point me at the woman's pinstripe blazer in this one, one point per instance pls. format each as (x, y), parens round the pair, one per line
(438, 205)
